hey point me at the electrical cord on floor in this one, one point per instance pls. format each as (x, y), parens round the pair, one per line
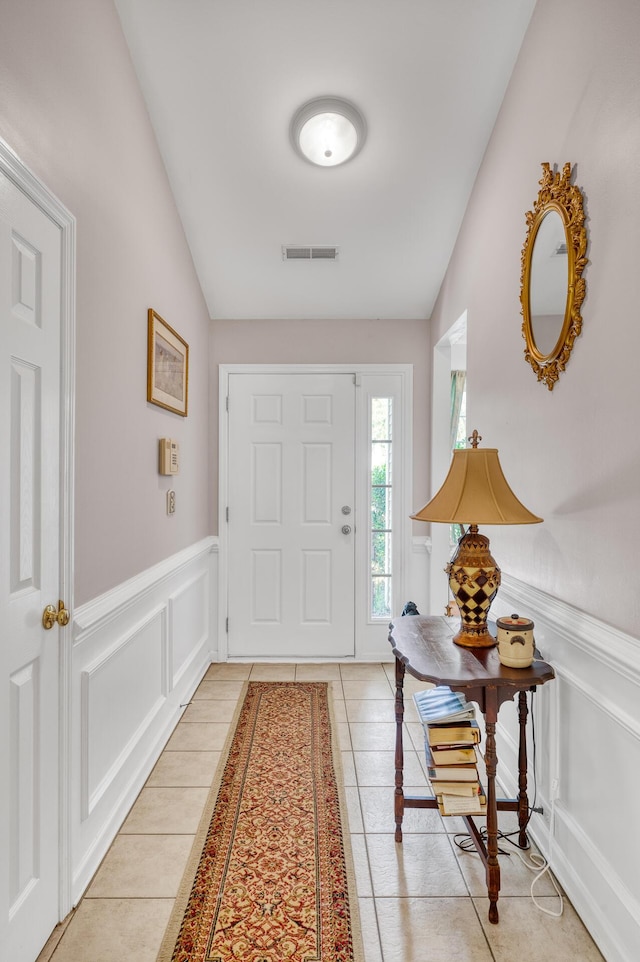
(534, 862)
(539, 864)
(466, 844)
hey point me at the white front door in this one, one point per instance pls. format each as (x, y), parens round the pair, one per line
(291, 521)
(30, 310)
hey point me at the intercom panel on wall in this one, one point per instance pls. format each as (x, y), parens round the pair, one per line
(169, 461)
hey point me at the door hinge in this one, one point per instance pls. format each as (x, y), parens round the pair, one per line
(227, 403)
(227, 514)
(227, 626)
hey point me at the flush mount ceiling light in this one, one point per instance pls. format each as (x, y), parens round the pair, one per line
(328, 131)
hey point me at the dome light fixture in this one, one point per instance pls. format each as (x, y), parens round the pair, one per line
(328, 131)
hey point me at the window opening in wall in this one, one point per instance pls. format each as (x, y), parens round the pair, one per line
(381, 420)
(458, 427)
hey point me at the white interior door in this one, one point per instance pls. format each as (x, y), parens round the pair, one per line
(30, 308)
(291, 522)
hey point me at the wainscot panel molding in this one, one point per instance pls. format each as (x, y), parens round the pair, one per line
(587, 759)
(189, 622)
(139, 652)
(419, 574)
(141, 656)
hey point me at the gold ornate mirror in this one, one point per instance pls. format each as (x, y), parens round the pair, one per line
(552, 287)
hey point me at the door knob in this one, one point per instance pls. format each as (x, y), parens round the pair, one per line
(52, 615)
(346, 529)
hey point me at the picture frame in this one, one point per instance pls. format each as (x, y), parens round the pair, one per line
(167, 366)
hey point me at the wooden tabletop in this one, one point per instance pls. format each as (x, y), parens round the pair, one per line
(424, 646)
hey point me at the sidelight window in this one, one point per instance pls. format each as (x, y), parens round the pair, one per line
(381, 481)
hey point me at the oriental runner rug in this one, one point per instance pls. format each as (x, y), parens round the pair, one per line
(270, 877)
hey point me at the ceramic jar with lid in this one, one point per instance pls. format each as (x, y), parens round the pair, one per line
(516, 644)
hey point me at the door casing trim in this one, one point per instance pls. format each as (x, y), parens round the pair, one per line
(405, 372)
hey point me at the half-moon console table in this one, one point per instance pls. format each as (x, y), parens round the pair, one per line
(423, 647)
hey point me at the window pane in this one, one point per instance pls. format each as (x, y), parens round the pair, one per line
(381, 462)
(381, 508)
(381, 418)
(381, 553)
(381, 597)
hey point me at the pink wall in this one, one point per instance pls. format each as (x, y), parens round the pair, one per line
(336, 342)
(71, 108)
(572, 455)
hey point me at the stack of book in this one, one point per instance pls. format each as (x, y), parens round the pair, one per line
(451, 734)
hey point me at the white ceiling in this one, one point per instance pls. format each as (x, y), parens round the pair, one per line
(222, 79)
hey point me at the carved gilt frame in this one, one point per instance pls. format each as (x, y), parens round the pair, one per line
(557, 194)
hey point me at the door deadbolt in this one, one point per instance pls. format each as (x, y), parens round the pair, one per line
(52, 615)
(346, 509)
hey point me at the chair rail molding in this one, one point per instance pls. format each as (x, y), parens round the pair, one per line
(97, 612)
(609, 645)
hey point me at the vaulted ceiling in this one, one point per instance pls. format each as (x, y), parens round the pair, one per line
(222, 80)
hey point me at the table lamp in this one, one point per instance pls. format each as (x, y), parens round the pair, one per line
(475, 491)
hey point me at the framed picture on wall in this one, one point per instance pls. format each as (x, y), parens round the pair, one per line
(167, 366)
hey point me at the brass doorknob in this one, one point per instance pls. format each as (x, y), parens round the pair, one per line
(52, 615)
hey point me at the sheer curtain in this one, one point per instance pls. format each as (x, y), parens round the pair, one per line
(458, 382)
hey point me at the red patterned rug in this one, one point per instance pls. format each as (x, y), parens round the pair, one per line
(270, 878)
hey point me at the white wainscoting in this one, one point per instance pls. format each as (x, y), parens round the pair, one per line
(587, 726)
(141, 649)
(139, 652)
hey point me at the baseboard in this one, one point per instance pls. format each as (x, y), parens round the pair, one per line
(588, 754)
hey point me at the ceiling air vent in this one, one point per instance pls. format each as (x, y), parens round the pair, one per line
(309, 253)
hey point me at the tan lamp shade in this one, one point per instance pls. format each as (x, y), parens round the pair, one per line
(475, 491)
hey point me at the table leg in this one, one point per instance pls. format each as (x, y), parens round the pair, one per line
(493, 866)
(399, 760)
(523, 801)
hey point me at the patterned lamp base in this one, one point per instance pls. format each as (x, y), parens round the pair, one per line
(474, 579)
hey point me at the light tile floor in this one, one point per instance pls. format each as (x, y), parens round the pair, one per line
(422, 901)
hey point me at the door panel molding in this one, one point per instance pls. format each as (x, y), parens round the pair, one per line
(370, 638)
(40, 195)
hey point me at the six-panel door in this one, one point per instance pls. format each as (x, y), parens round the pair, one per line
(30, 273)
(291, 521)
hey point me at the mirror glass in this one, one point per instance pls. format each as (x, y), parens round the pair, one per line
(548, 282)
(552, 287)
